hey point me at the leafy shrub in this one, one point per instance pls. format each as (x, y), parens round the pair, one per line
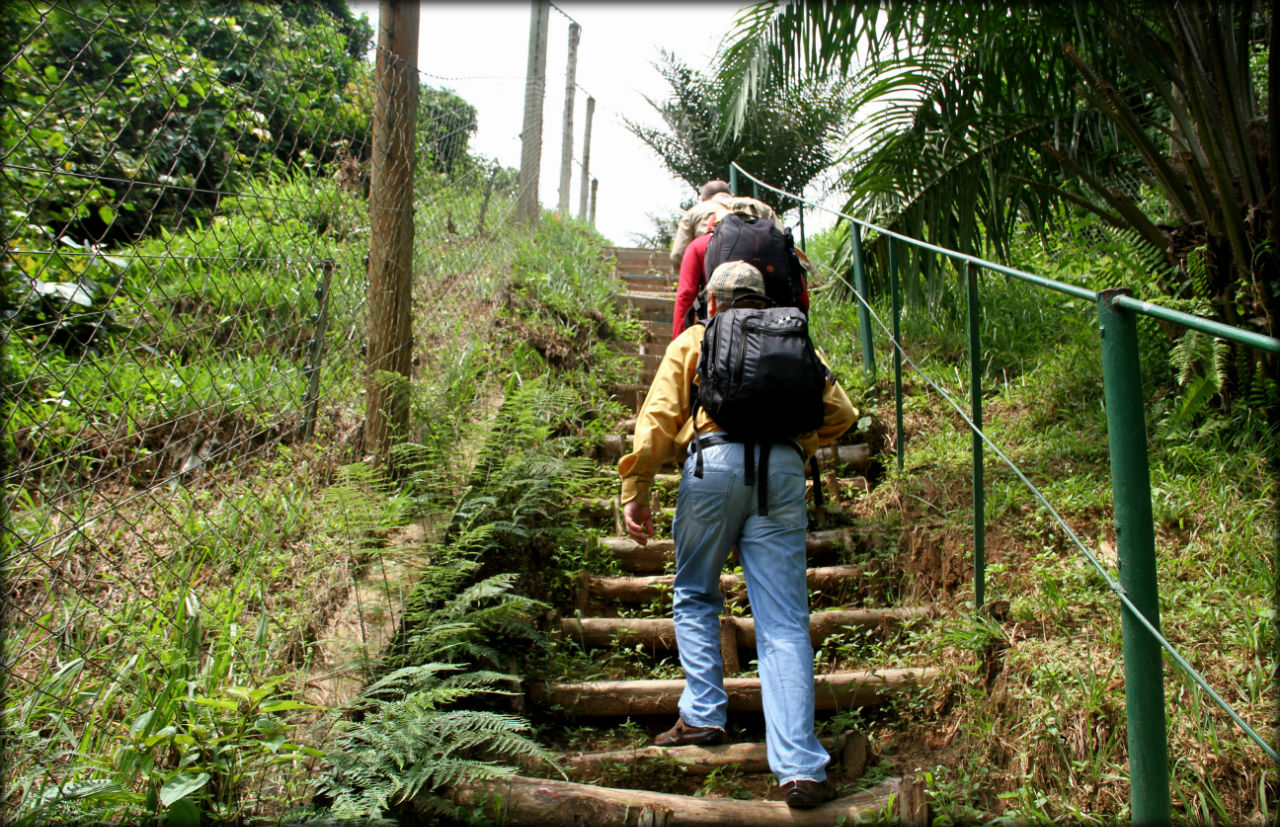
(138, 112)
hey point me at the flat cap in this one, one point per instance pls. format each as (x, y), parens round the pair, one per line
(735, 280)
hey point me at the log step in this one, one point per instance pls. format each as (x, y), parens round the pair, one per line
(850, 752)
(653, 557)
(642, 589)
(659, 332)
(520, 801)
(838, 690)
(651, 307)
(650, 279)
(659, 632)
(639, 260)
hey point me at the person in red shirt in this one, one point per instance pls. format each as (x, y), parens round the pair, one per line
(693, 277)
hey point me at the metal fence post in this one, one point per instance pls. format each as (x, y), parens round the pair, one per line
(897, 350)
(315, 351)
(979, 492)
(1131, 488)
(864, 313)
(488, 193)
(733, 179)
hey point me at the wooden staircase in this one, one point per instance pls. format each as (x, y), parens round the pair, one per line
(629, 606)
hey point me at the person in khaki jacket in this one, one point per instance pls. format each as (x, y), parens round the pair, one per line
(716, 201)
(715, 513)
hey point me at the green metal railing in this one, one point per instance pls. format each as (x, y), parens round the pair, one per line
(1137, 587)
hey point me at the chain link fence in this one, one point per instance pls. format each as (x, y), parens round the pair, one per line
(195, 564)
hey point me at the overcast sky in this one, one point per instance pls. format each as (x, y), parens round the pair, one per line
(480, 50)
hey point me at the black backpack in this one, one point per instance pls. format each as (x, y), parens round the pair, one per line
(740, 236)
(761, 380)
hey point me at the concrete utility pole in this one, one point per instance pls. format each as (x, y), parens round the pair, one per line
(390, 333)
(531, 135)
(566, 140)
(583, 193)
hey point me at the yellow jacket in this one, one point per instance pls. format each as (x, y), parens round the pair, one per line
(664, 430)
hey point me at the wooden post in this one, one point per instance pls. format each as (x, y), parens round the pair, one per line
(531, 134)
(566, 139)
(729, 646)
(912, 803)
(591, 214)
(583, 194)
(390, 333)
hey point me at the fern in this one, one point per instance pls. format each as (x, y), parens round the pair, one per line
(462, 627)
(410, 740)
(422, 724)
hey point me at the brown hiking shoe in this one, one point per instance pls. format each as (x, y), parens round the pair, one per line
(803, 794)
(683, 735)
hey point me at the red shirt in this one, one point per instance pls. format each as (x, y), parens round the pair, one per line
(692, 279)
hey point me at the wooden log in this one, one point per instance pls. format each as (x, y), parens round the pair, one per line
(628, 589)
(613, 446)
(838, 539)
(659, 632)
(653, 557)
(728, 646)
(647, 587)
(747, 758)
(855, 754)
(856, 456)
(840, 690)
(634, 557)
(600, 632)
(911, 804)
(824, 624)
(533, 802)
(831, 577)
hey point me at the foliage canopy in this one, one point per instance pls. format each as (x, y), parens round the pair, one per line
(980, 117)
(786, 138)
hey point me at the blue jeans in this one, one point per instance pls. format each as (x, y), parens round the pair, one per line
(712, 515)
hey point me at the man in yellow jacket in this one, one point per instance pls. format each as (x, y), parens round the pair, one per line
(715, 513)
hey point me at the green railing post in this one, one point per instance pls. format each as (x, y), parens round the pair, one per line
(897, 351)
(1131, 488)
(733, 179)
(864, 314)
(979, 493)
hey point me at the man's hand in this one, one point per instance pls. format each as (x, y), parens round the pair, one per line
(639, 521)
